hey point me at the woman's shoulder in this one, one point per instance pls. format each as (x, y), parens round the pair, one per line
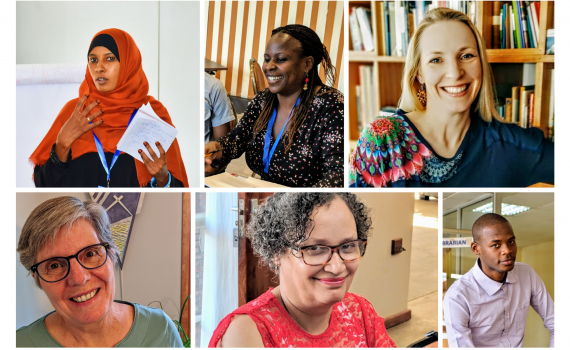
(328, 97)
(34, 335)
(241, 332)
(69, 107)
(152, 314)
(151, 328)
(329, 90)
(244, 320)
(386, 127)
(524, 138)
(387, 150)
(357, 301)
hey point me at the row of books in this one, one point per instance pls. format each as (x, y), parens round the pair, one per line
(361, 29)
(366, 96)
(396, 23)
(519, 108)
(515, 26)
(551, 109)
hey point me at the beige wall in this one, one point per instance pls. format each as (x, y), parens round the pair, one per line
(383, 278)
(541, 258)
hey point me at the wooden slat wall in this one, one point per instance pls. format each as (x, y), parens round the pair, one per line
(239, 30)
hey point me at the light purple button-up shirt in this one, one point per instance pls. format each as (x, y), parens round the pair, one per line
(480, 312)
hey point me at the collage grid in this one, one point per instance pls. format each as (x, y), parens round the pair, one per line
(206, 257)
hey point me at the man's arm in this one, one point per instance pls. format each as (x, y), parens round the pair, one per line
(220, 131)
(456, 315)
(542, 303)
(221, 111)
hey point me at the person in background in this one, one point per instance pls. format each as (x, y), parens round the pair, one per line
(488, 306)
(314, 242)
(68, 248)
(217, 110)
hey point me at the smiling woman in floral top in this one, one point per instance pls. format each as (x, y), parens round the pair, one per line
(447, 132)
(305, 117)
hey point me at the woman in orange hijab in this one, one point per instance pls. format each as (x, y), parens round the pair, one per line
(80, 149)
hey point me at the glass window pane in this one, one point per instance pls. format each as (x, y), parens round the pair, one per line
(450, 220)
(469, 215)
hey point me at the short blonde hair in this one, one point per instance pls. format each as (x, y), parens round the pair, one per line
(485, 100)
(48, 218)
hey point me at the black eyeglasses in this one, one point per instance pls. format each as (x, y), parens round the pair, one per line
(315, 255)
(55, 269)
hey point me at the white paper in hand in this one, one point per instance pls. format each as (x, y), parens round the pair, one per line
(146, 126)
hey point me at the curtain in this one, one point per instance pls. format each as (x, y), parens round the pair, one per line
(219, 296)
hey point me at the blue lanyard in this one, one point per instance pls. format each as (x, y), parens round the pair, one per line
(267, 155)
(102, 152)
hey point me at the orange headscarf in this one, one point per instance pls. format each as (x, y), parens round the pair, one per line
(118, 105)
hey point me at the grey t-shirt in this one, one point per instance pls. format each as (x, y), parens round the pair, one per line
(217, 110)
(151, 328)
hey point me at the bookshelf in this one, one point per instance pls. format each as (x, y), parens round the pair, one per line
(387, 70)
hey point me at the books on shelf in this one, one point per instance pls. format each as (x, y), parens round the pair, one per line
(551, 108)
(518, 107)
(361, 29)
(396, 23)
(355, 35)
(366, 96)
(524, 108)
(550, 42)
(515, 24)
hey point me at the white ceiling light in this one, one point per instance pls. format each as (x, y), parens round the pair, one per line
(506, 209)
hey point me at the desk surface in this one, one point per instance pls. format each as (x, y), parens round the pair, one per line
(210, 65)
(227, 180)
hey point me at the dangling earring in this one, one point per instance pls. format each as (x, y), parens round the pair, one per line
(422, 95)
(306, 81)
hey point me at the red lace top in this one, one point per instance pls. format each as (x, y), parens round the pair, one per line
(353, 324)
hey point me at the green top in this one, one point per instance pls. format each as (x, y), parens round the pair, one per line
(151, 328)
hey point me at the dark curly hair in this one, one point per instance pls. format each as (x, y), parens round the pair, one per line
(284, 221)
(311, 45)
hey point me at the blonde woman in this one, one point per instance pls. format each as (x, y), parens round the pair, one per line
(446, 131)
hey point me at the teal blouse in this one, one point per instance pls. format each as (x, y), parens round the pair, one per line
(151, 328)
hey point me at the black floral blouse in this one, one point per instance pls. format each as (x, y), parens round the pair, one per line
(316, 157)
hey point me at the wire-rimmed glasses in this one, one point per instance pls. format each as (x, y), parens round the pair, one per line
(315, 255)
(55, 269)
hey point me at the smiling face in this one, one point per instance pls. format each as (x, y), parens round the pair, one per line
(497, 250)
(310, 287)
(450, 67)
(104, 68)
(80, 282)
(283, 64)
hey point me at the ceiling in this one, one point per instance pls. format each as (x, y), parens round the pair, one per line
(531, 227)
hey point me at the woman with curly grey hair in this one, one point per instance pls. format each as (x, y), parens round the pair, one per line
(67, 246)
(314, 242)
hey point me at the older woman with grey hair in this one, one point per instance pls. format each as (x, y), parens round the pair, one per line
(67, 246)
(314, 242)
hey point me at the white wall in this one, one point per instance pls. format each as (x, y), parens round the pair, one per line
(152, 262)
(180, 78)
(167, 34)
(383, 278)
(60, 32)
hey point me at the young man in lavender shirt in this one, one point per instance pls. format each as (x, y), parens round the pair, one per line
(488, 306)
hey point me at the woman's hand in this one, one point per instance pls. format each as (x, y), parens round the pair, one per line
(75, 126)
(209, 148)
(156, 166)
